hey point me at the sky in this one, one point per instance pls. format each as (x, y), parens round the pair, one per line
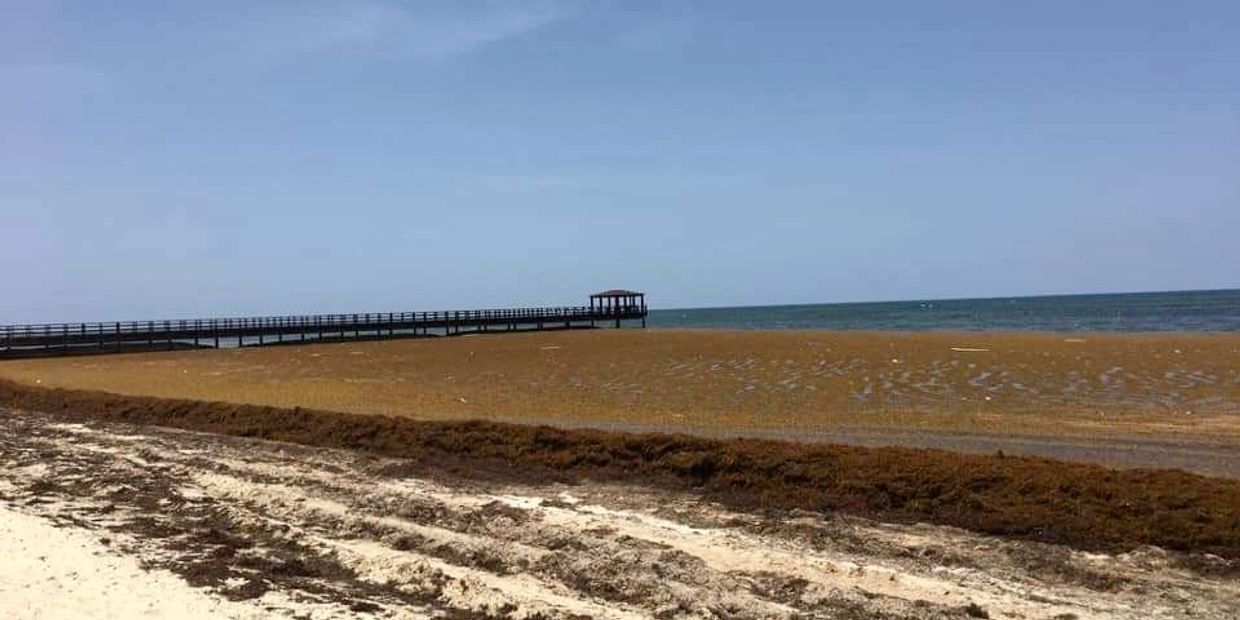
(191, 159)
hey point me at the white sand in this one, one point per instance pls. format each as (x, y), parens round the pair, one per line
(50, 573)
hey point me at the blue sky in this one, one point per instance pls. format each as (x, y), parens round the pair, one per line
(177, 159)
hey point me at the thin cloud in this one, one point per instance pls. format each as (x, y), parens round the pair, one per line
(401, 30)
(208, 43)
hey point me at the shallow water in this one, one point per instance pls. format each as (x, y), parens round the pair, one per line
(1190, 311)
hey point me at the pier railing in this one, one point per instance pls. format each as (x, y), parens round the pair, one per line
(67, 338)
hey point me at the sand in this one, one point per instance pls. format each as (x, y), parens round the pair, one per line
(1089, 506)
(106, 519)
(52, 573)
(301, 531)
(1097, 386)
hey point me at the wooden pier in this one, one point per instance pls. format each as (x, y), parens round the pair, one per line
(49, 339)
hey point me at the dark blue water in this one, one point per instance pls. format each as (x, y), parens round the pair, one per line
(1189, 311)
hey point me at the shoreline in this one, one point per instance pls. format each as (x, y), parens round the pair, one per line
(1202, 457)
(1100, 333)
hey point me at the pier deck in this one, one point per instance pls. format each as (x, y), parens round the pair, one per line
(120, 336)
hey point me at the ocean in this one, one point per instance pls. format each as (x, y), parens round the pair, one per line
(1184, 311)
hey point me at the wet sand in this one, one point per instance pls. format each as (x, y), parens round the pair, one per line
(1158, 387)
(1208, 458)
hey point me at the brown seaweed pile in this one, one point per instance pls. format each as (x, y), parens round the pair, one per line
(1086, 506)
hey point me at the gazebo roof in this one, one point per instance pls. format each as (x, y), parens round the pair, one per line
(616, 292)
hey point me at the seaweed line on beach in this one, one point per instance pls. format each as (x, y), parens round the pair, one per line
(1085, 506)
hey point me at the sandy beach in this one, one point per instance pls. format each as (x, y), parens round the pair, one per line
(195, 525)
(358, 480)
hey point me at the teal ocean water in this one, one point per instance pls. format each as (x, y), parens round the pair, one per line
(1186, 311)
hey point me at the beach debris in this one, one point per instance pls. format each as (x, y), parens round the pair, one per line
(1074, 340)
(969, 350)
(550, 348)
(348, 531)
(973, 610)
(463, 401)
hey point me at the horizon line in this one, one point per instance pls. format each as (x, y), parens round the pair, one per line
(943, 299)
